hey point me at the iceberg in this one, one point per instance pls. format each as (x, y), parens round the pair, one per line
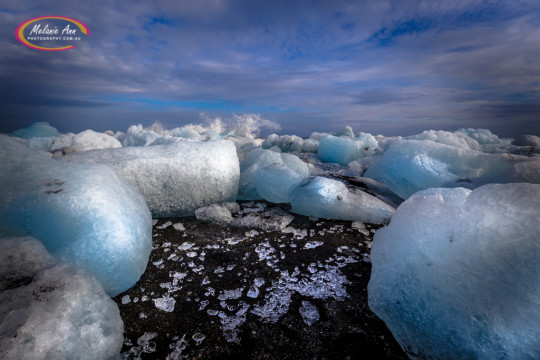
(412, 165)
(51, 310)
(83, 213)
(343, 150)
(37, 129)
(455, 274)
(258, 159)
(276, 182)
(527, 140)
(330, 199)
(176, 178)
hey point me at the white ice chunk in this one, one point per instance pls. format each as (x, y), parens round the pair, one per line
(330, 199)
(455, 274)
(260, 158)
(175, 179)
(82, 213)
(53, 311)
(276, 182)
(411, 165)
(309, 312)
(343, 150)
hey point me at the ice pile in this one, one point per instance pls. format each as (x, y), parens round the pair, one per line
(51, 310)
(291, 143)
(456, 273)
(83, 213)
(343, 150)
(412, 165)
(176, 178)
(330, 199)
(286, 171)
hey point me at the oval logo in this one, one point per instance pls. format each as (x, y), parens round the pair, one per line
(51, 33)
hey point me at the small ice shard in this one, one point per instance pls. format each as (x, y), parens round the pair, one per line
(165, 303)
(179, 227)
(215, 214)
(198, 338)
(313, 244)
(165, 225)
(126, 299)
(309, 312)
(186, 246)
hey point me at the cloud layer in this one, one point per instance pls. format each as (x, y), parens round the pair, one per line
(391, 67)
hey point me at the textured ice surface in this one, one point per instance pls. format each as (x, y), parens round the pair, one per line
(309, 312)
(455, 274)
(37, 129)
(343, 150)
(82, 213)
(326, 198)
(484, 136)
(412, 165)
(260, 158)
(175, 179)
(52, 311)
(275, 182)
(291, 143)
(457, 139)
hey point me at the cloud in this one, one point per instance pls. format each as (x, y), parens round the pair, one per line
(407, 63)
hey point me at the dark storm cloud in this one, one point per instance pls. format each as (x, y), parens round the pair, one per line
(317, 63)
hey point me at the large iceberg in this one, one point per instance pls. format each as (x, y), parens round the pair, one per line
(176, 178)
(456, 273)
(331, 199)
(83, 213)
(412, 165)
(51, 310)
(343, 150)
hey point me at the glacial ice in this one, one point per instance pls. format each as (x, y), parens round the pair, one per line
(37, 129)
(291, 143)
(330, 199)
(177, 178)
(527, 140)
(83, 213)
(51, 310)
(343, 150)
(455, 274)
(458, 139)
(258, 159)
(412, 165)
(275, 182)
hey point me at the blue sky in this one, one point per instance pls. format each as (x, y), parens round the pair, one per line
(384, 67)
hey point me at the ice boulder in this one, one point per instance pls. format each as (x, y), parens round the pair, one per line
(83, 213)
(331, 199)
(258, 159)
(343, 150)
(412, 165)
(276, 182)
(483, 136)
(527, 140)
(37, 129)
(456, 273)
(176, 178)
(51, 310)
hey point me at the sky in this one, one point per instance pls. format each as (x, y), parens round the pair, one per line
(383, 67)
